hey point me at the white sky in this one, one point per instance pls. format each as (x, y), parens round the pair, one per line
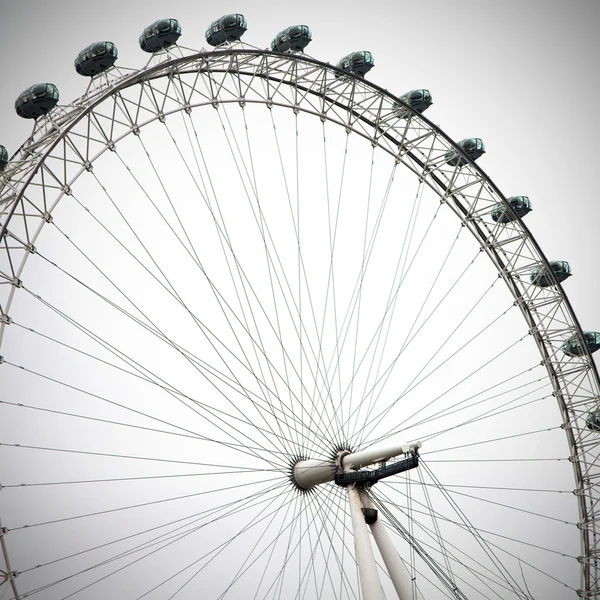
(520, 75)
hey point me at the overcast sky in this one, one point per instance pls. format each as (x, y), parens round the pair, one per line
(521, 75)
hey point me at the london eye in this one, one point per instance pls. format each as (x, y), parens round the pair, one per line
(267, 331)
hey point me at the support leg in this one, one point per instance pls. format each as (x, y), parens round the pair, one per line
(367, 569)
(396, 569)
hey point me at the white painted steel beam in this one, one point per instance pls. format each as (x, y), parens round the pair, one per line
(395, 567)
(367, 568)
(357, 460)
(312, 472)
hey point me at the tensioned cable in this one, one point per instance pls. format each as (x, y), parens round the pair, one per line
(390, 305)
(335, 514)
(153, 331)
(237, 265)
(498, 439)
(408, 339)
(409, 387)
(301, 271)
(274, 454)
(412, 541)
(245, 277)
(493, 460)
(491, 577)
(329, 497)
(478, 537)
(469, 528)
(163, 218)
(146, 545)
(198, 516)
(223, 546)
(154, 502)
(462, 404)
(356, 295)
(336, 352)
(245, 567)
(270, 557)
(197, 403)
(499, 410)
(218, 296)
(436, 526)
(486, 364)
(128, 360)
(289, 554)
(290, 526)
(502, 504)
(252, 451)
(262, 226)
(361, 278)
(109, 455)
(487, 532)
(303, 278)
(300, 328)
(306, 530)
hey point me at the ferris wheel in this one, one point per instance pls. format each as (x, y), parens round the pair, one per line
(268, 332)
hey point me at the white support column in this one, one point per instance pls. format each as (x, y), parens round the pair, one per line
(396, 569)
(367, 569)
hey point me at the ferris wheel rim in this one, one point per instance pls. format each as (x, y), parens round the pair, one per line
(164, 69)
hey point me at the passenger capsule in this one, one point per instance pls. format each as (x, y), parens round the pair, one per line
(419, 100)
(520, 205)
(357, 63)
(226, 29)
(96, 58)
(36, 100)
(472, 147)
(573, 347)
(3, 157)
(592, 421)
(294, 38)
(160, 35)
(540, 276)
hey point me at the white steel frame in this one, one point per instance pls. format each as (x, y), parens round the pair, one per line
(67, 141)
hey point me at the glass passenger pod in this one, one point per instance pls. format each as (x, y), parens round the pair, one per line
(419, 100)
(592, 421)
(96, 58)
(520, 205)
(37, 100)
(229, 28)
(3, 157)
(160, 35)
(542, 278)
(358, 63)
(295, 38)
(472, 147)
(573, 347)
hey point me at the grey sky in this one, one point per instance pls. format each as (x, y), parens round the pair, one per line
(520, 75)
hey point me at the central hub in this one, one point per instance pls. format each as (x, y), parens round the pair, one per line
(308, 473)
